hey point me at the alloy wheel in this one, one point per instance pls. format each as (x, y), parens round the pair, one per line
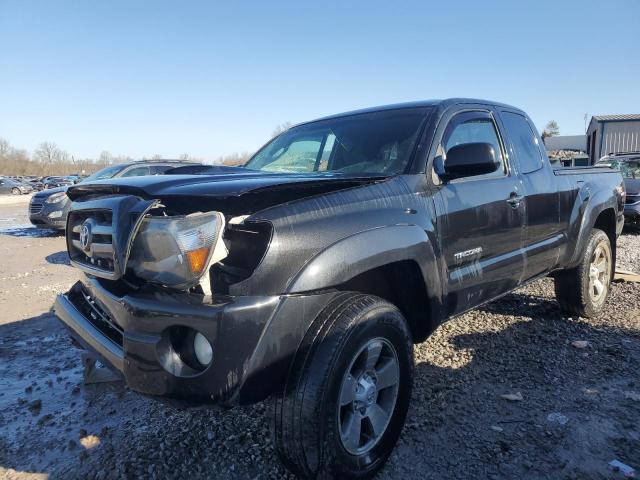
(368, 396)
(599, 273)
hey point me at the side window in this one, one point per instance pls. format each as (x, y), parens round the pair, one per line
(159, 169)
(473, 127)
(136, 172)
(524, 141)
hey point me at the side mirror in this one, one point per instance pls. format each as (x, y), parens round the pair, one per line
(469, 159)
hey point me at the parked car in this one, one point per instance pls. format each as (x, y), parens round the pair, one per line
(35, 183)
(49, 208)
(308, 275)
(15, 187)
(56, 182)
(72, 178)
(629, 166)
(30, 187)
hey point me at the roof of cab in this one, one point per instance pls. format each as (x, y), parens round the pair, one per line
(442, 103)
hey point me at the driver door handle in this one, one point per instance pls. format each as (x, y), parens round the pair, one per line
(514, 200)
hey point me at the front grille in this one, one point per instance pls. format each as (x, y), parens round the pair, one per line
(96, 315)
(97, 252)
(35, 207)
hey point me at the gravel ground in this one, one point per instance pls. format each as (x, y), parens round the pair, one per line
(580, 407)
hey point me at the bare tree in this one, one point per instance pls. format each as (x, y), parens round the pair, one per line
(551, 130)
(283, 127)
(122, 159)
(105, 159)
(155, 156)
(5, 148)
(46, 153)
(51, 157)
(233, 159)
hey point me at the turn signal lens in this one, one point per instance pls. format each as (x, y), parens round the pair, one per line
(198, 259)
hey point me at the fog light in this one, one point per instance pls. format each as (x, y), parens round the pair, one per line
(202, 349)
(56, 214)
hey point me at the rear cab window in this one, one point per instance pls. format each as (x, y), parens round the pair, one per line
(524, 143)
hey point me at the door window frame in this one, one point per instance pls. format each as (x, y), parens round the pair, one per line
(441, 129)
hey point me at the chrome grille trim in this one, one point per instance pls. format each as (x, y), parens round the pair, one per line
(97, 258)
(35, 207)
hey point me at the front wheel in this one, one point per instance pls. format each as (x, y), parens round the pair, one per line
(583, 290)
(346, 397)
(15, 191)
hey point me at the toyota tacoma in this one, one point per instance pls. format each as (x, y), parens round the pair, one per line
(307, 275)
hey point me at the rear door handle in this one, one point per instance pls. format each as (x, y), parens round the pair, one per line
(514, 200)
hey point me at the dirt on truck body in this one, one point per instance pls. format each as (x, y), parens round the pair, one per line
(308, 275)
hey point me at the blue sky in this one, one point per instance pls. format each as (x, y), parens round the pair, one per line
(206, 78)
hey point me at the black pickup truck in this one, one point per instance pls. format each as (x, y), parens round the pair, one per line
(307, 275)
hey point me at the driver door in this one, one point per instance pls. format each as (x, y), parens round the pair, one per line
(480, 218)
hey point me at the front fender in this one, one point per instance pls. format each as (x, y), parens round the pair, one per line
(360, 252)
(370, 249)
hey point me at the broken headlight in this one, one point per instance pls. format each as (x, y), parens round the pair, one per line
(175, 251)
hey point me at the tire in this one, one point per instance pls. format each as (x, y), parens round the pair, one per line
(310, 413)
(577, 289)
(15, 191)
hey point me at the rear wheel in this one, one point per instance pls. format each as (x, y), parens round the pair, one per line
(583, 290)
(346, 397)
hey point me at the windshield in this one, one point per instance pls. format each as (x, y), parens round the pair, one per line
(103, 174)
(628, 168)
(362, 144)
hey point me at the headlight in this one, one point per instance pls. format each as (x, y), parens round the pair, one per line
(175, 251)
(56, 197)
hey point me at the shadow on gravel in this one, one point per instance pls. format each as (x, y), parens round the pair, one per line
(30, 231)
(521, 304)
(631, 230)
(578, 410)
(457, 427)
(58, 258)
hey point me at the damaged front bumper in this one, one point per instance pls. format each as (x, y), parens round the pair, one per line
(253, 338)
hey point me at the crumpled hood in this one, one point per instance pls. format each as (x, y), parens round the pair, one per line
(272, 188)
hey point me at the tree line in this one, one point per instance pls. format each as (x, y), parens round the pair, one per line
(49, 159)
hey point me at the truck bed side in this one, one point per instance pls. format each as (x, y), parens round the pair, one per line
(589, 196)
